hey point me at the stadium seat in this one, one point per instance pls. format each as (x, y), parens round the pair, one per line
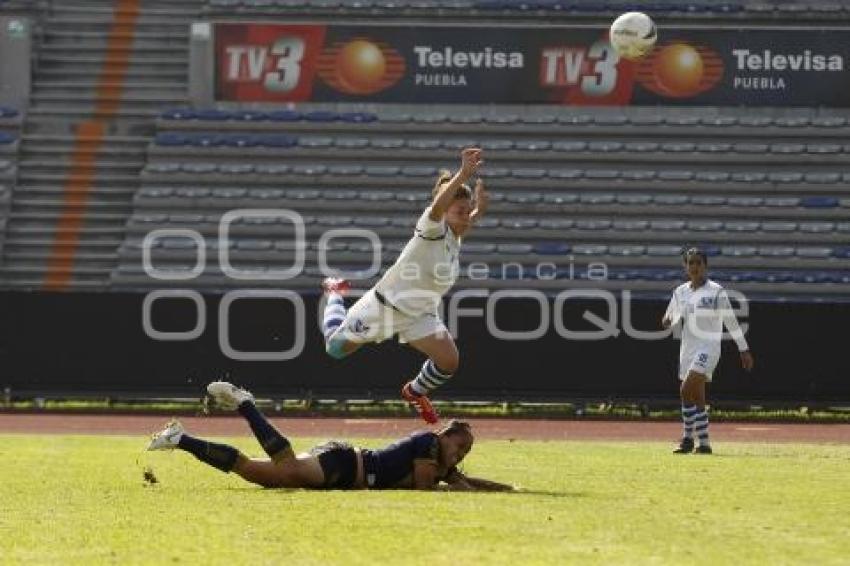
(556, 223)
(816, 227)
(630, 225)
(819, 202)
(634, 199)
(560, 198)
(549, 248)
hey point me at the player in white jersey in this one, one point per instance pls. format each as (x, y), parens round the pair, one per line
(703, 307)
(406, 299)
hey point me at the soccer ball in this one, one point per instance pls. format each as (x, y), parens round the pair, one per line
(633, 35)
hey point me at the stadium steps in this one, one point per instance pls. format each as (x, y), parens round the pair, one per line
(71, 78)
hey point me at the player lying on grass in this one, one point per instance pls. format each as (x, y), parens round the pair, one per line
(406, 299)
(420, 461)
(703, 307)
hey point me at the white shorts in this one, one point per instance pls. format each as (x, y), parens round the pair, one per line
(370, 320)
(700, 361)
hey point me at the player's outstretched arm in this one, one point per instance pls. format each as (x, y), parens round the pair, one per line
(482, 200)
(730, 321)
(458, 481)
(470, 160)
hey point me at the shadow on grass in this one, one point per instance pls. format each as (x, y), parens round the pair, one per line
(517, 493)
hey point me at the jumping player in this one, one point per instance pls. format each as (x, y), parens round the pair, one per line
(406, 299)
(421, 461)
(703, 307)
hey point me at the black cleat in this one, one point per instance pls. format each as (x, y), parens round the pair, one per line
(703, 450)
(685, 447)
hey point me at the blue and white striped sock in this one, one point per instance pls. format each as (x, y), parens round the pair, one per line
(430, 378)
(701, 426)
(688, 414)
(334, 315)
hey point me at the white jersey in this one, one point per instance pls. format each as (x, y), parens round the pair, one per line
(425, 270)
(703, 311)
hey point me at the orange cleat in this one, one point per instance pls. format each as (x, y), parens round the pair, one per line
(421, 403)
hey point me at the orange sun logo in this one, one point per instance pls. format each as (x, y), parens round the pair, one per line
(680, 70)
(360, 66)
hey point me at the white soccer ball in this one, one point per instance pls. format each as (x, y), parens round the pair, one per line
(633, 35)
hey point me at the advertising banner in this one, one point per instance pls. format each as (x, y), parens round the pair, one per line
(525, 65)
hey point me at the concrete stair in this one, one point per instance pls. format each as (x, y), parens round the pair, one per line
(72, 80)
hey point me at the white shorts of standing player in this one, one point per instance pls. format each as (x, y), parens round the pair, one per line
(371, 319)
(700, 360)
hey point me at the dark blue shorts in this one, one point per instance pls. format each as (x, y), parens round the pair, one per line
(339, 464)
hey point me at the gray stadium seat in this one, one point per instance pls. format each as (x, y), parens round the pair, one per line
(597, 224)
(560, 198)
(823, 148)
(479, 248)
(677, 147)
(514, 248)
(664, 250)
(787, 148)
(597, 198)
(670, 200)
(528, 173)
(813, 252)
(778, 226)
(382, 170)
(569, 146)
(785, 176)
(745, 201)
(708, 200)
(630, 225)
(705, 225)
(376, 196)
(782, 202)
(635, 199)
(776, 251)
(739, 251)
(556, 223)
(314, 142)
(345, 169)
(533, 145)
(713, 147)
(604, 146)
(741, 226)
(640, 146)
(566, 173)
(309, 169)
(424, 144)
(667, 225)
(519, 223)
(386, 143)
(816, 227)
(626, 250)
(524, 197)
(303, 194)
(750, 147)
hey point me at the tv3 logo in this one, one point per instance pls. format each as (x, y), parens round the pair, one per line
(278, 67)
(593, 69)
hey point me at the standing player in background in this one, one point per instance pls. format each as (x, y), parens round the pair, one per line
(703, 307)
(406, 299)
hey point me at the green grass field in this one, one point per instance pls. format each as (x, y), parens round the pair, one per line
(82, 500)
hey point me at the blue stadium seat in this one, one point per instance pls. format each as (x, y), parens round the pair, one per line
(843, 252)
(358, 117)
(552, 248)
(179, 114)
(819, 202)
(212, 115)
(322, 116)
(6, 112)
(171, 139)
(248, 116)
(285, 116)
(6, 138)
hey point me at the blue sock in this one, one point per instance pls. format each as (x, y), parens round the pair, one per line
(220, 456)
(334, 315)
(429, 378)
(272, 441)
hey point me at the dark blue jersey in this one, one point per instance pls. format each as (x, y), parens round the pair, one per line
(388, 466)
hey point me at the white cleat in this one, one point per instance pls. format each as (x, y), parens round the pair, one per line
(167, 438)
(228, 396)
